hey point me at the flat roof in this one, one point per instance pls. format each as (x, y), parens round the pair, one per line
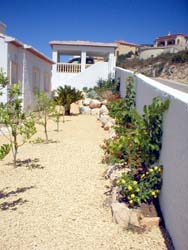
(83, 43)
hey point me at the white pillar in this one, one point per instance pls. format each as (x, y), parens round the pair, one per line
(111, 65)
(83, 61)
(55, 56)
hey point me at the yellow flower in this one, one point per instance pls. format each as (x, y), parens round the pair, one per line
(135, 182)
(129, 188)
(142, 176)
(131, 202)
(151, 170)
(123, 181)
(157, 191)
(156, 167)
(147, 173)
(153, 193)
(138, 189)
(155, 196)
(132, 196)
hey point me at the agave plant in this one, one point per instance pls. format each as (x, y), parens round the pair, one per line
(68, 95)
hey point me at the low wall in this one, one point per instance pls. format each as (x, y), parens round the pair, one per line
(174, 153)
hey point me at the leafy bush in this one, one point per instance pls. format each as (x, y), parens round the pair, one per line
(138, 144)
(144, 188)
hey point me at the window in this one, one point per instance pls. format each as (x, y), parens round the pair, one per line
(36, 79)
(47, 85)
(13, 72)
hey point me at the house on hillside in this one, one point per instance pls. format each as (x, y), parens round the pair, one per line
(22, 63)
(90, 62)
(124, 47)
(165, 44)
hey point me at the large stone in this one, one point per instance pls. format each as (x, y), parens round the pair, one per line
(85, 110)
(121, 214)
(86, 101)
(94, 104)
(135, 217)
(95, 112)
(150, 221)
(112, 134)
(103, 110)
(104, 119)
(108, 125)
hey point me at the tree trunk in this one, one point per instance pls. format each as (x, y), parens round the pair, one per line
(15, 149)
(45, 127)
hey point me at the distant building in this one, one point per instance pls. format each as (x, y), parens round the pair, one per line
(22, 63)
(165, 44)
(172, 40)
(124, 47)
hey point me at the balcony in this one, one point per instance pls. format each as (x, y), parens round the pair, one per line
(69, 67)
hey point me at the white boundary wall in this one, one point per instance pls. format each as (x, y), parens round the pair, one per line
(174, 153)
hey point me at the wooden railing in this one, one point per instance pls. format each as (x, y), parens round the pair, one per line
(70, 67)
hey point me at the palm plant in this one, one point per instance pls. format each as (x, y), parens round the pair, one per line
(67, 95)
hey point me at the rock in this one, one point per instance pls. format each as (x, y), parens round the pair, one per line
(86, 101)
(135, 217)
(103, 110)
(108, 125)
(85, 110)
(104, 119)
(112, 134)
(150, 221)
(121, 214)
(105, 102)
(115, 194)
(95, 104)
(95, 112)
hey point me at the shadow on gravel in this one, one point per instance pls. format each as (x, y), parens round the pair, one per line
(4, 194)
(28, 163)
(13, 205)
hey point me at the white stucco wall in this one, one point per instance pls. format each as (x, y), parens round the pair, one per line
(30, 62)
(87, 78)
(3, 65)
(26, 61)
(174, 153)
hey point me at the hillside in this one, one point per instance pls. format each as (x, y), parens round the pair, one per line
(168, 66)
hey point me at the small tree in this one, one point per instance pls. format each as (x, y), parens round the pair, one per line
(18, 124)
(68, 95)
(45, 107)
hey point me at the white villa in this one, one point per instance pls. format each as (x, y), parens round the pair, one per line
(80, 74)
(22, 63)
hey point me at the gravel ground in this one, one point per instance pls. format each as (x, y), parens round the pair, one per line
(57, 202)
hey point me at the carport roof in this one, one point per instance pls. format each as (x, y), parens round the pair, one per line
(83, 43)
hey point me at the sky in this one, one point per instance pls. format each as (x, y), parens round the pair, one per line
(37, 22)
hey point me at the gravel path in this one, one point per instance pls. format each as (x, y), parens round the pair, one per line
(57, 203)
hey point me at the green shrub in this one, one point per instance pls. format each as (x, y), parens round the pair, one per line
(143, 188)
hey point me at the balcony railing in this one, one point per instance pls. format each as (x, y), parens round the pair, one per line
(70, 67)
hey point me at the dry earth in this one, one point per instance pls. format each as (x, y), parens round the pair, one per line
(57, 202)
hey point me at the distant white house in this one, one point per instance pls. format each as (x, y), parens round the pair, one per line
(22, 63)
(171, 43)
(95, 60)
